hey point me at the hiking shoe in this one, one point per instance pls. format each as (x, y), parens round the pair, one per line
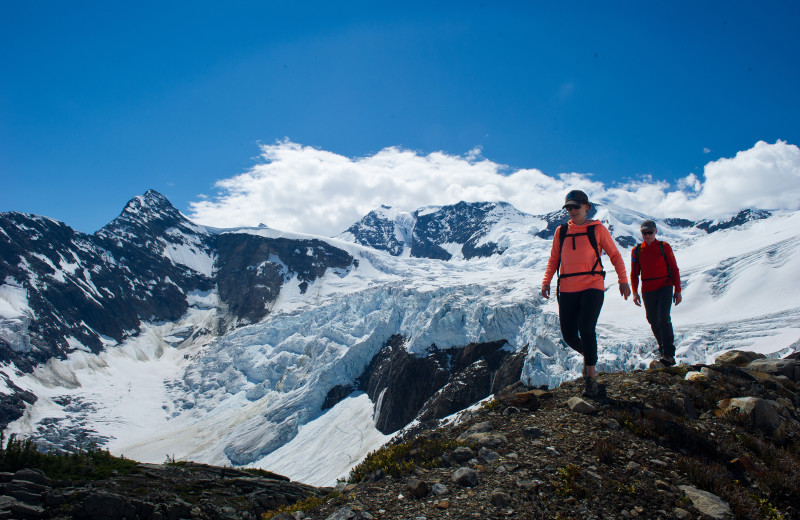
(590, 388)
(668, 361)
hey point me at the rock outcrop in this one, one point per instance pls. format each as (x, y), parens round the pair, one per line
(151, 491)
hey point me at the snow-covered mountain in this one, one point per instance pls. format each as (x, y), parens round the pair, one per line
(300, 354)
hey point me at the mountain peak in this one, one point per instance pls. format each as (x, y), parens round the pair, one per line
(150, 201)
(151, 212)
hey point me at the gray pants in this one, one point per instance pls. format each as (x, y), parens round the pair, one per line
(657, 305)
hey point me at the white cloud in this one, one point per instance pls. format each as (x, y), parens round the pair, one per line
(304, 189)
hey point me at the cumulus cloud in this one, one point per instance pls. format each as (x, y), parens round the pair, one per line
(304, 189)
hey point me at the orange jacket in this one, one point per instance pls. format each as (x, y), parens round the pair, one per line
(653, 268)
(582, 258)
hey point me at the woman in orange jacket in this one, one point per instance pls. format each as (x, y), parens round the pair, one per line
(581, 287)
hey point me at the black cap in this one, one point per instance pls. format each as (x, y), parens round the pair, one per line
(648, 225)
(575, 197)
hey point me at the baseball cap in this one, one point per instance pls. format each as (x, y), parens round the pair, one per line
(575, 198)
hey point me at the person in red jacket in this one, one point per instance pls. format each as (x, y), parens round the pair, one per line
(661, 286)
(581, 287)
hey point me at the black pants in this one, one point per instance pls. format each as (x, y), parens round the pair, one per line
(578, 313)
(657, 305)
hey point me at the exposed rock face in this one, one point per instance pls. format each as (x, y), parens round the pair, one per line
(13, 403)
(251, 270)
(432, 232)
(383, 231)
(744, 216)
(405, 386)
(152, 491)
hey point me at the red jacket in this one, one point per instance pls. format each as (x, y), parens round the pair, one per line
(652, 266)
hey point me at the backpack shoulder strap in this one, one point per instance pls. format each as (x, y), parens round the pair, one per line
(593, 240)
(661, 248)
(562, 235)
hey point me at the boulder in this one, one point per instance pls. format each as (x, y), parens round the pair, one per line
(708, 503)
(529, 399)
(418, 488)
(763, 412)
(576, 404)
(466, 477)
(777, 367)
(462, 454)
(738, 358)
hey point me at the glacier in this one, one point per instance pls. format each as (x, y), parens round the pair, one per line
(253, 395)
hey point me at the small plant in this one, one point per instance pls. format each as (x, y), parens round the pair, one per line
(306, 505)
(605, 451)
(642, 428)
(489, 405)
(567, 482)
(626, 489)
(400, 459)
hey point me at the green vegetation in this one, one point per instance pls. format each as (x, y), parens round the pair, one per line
(640, 427)
(567, 484)
(309, 504)
(401, 459)
(80, 464)
(605, 451)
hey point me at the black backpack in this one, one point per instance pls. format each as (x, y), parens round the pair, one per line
(562, 235)
(635, 258)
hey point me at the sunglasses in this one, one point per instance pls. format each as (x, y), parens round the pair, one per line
(648, 232)
(570, 207)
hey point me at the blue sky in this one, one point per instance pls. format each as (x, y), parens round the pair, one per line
(100, 101)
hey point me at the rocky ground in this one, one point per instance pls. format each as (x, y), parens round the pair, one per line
(695, 442)
(685, 442)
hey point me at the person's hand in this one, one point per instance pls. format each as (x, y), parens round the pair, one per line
(677, 298)
(546, 292)
(625, 290)
(637, 299)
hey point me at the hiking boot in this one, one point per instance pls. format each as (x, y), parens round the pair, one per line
(668, 361)
(590, 388)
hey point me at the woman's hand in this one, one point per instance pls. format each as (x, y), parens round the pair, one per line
(625, 290)
(546, 292)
